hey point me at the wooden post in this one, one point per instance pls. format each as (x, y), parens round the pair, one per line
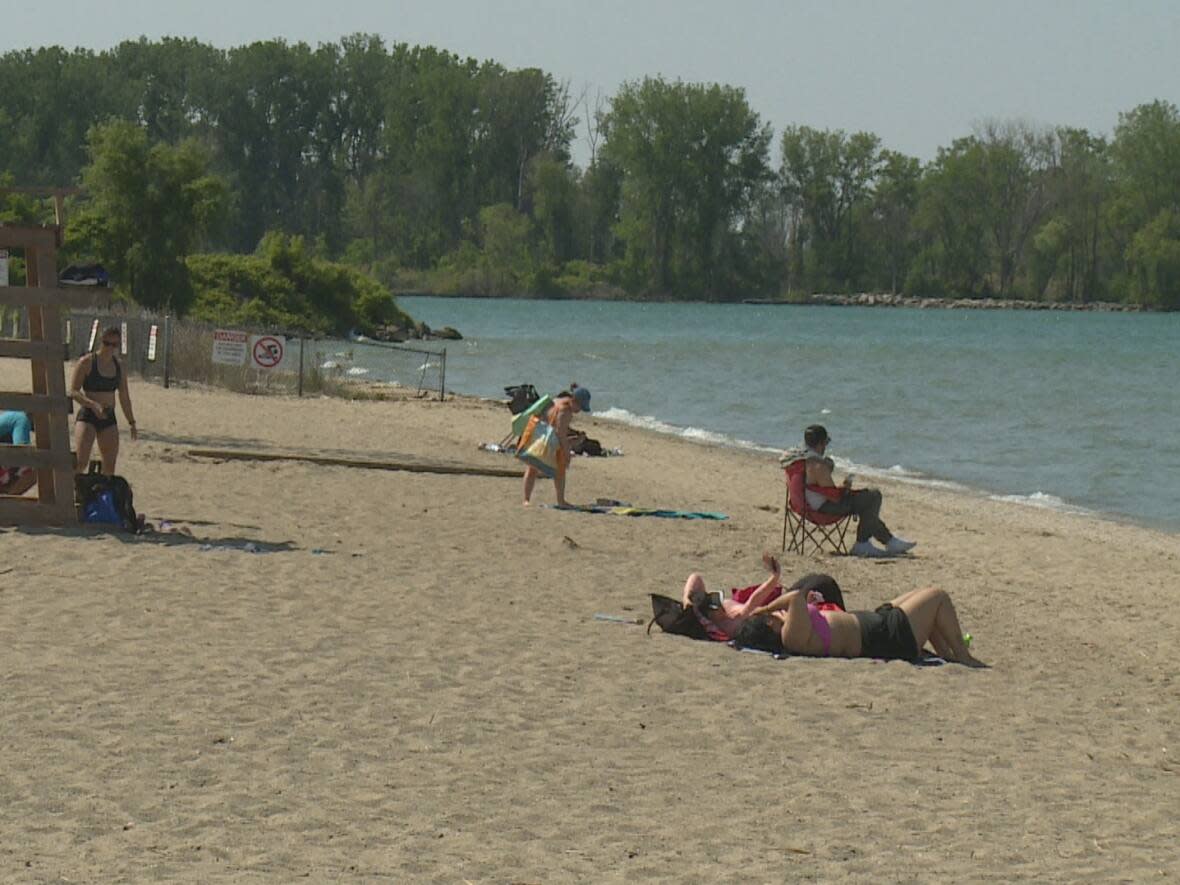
(47, 405)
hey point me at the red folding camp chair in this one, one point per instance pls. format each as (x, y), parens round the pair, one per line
(806, 524)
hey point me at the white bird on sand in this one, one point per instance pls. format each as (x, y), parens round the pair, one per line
(358, 370)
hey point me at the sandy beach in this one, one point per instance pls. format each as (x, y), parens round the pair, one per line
(407, 683)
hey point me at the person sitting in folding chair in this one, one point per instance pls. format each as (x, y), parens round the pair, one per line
(824, 496)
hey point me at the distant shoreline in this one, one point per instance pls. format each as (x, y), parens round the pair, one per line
(869, 299)
(864, 299)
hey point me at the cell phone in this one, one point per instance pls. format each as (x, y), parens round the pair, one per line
(715, 598)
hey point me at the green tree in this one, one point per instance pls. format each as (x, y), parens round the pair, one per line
(149, 207)
(1069, 248)
(1017, 165)
(691, 158)
(505, 259)
(553, 194)
(1154, 255)
(894, 202)
(951, 224)
(829, 174)
(1145, 169)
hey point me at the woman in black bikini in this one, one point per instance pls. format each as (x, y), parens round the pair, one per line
(897, 630)
(96, 380)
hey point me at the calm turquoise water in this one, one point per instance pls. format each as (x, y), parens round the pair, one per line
(1070, 410)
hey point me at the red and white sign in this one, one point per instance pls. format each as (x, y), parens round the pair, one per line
(266, 351)
(229, 347)
(93, 335)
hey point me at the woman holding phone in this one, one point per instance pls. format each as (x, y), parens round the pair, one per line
(97, 380)
(726, 616)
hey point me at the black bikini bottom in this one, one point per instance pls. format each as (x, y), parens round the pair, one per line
(886, 633)
(100, 422)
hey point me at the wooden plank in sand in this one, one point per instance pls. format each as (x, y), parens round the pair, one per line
(31, 511)
(409, 466)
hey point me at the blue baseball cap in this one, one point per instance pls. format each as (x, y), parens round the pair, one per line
(582, 395)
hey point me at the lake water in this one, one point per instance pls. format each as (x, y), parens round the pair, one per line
(1059, 409)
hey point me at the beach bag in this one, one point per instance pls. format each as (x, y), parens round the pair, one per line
(539, 447)
(674, 617)
(535, 410)
(105, 500)
(102, 508)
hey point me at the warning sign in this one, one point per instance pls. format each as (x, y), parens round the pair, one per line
(229, 347)
(266, 351)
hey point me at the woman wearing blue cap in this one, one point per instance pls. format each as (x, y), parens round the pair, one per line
(565, 405)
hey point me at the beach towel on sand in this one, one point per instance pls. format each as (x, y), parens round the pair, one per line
(641, 511)
(924, 660)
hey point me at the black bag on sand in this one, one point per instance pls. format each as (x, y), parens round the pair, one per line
(580, 444)
(673, 617)
(89, 486)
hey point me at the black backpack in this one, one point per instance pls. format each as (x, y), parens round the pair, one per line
(521, 397)
(584, 445)
(674, 617)
(90, 486)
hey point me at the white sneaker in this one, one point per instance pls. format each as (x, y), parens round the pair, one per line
(898, 546)
(868, 549)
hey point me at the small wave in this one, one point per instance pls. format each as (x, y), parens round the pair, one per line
(1040, 499)
(647, 422)
(358, 370)
(896, 473)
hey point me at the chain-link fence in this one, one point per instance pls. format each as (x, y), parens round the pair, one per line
(170, 351)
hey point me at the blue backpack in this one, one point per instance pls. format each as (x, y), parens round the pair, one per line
(105, 500)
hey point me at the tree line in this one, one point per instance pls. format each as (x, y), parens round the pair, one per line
(438, 173)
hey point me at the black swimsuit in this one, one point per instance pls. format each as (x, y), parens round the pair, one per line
(96, 382)
(886, 633)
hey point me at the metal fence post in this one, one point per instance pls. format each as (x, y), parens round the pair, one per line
(167, 348)
(442, 377)
(300, 392)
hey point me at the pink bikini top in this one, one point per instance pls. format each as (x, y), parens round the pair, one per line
(821, 627)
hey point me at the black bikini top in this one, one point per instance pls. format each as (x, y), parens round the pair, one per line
(96, 382)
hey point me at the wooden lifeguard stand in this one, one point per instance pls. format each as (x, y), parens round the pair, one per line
(47, 405)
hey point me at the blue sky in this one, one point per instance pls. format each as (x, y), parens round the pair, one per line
(917, 73)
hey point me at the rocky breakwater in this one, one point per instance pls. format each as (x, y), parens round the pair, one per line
(873, 299)
(416, 331)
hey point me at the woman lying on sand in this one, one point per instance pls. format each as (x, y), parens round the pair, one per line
(896, 631)
(727, 615)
